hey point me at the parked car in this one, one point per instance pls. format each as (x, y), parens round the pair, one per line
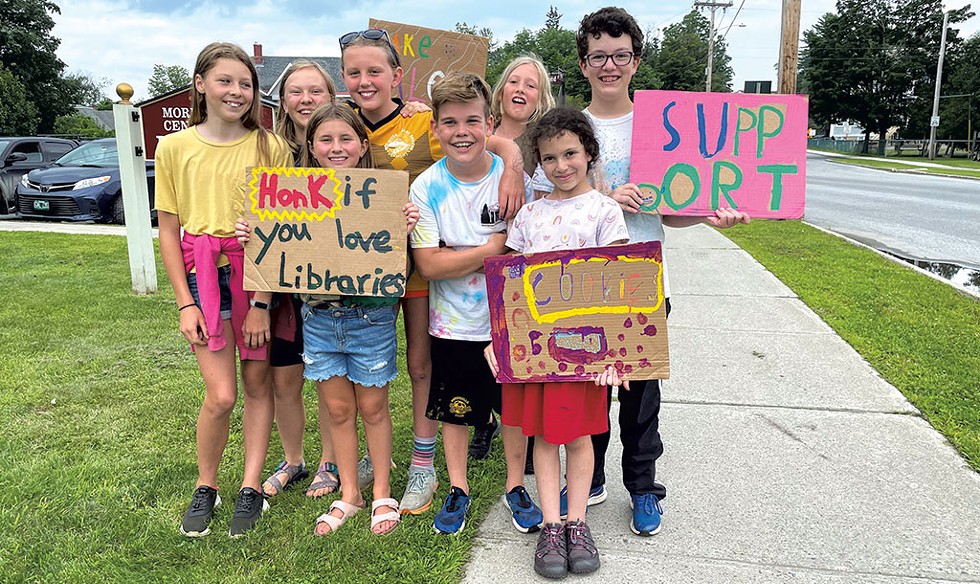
(82, 185)
(19, 155)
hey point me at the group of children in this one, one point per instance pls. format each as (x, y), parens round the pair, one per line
(466, 187)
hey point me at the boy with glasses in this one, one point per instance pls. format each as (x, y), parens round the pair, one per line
(610, 43)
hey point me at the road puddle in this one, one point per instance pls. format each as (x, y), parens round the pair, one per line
(964, 276)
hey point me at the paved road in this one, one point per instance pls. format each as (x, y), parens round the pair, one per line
(924, 217)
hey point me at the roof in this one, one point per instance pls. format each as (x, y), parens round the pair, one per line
(103, 118)
(272, 68)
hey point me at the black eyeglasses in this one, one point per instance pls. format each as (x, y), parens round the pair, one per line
(371, 34)
(599, 60)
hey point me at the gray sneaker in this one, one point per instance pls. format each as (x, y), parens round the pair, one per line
(365, 473)
(583, 557)
(422, 485)
(551, 553)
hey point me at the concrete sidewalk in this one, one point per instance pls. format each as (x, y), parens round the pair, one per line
(787, 457)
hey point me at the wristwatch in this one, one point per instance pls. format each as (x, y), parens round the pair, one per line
(257, 304)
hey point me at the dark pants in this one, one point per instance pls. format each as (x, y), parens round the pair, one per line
(639, 431)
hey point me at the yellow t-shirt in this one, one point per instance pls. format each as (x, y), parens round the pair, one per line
(404, 143)
(203, 182)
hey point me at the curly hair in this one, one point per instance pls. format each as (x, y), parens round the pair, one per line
(610, 20)
(559, 121)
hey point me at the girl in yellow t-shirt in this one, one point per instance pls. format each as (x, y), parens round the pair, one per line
(200, 185)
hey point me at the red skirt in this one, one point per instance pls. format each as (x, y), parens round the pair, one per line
(559, 412)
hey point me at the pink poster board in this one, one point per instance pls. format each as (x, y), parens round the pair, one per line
(695, 152)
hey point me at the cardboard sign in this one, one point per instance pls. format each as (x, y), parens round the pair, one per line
(566, 315)
(695, 152)
(427, 54)
(326, 231)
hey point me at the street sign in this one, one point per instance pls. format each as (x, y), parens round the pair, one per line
(556, 77)
(934, 122)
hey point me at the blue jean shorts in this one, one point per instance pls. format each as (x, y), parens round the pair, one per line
(224, 287)
(352, 342)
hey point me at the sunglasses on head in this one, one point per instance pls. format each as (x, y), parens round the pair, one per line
(371, 34)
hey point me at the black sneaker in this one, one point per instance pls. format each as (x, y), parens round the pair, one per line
(551, 554)
(248, 509)
(197, 519)
(583, 557)
(483, 438)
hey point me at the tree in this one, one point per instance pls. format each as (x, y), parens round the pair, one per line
(552, 18)
(166, 78)
(18, 116)
(683, 57)
(27, 50)
(81, 89)
(874, 62)
(80, 125)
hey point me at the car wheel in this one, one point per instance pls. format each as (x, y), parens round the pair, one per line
(118, 215)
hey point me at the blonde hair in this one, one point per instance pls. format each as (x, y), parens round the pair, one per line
(286, 126)
(252, 119)
(460, 88)
(344, 113)
(546, 101)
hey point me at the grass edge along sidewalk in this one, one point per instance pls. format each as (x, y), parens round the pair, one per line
(98, 400)
(920, 334)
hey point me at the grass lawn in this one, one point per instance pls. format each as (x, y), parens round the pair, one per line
(98, 405)
(950, 169)
(920, 334)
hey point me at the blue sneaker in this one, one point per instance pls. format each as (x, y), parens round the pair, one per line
(451, 519)
(596, 495)
(527, 516)
(646, 514)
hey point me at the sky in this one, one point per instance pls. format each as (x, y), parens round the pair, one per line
(120, 41)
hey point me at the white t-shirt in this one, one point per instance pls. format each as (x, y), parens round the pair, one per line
(587, 220)
(460, 215)
(615, 137)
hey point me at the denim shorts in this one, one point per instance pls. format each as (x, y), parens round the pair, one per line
(224, 287)
(352, 342)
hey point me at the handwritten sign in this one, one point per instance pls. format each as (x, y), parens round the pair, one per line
(428, 54)
(695, 152)
(326, 231)
(566, 315)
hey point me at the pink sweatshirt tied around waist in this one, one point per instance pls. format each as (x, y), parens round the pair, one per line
(201, 253)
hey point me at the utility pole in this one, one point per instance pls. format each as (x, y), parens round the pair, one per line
(712, 6)
(934, 122)
(789, 46)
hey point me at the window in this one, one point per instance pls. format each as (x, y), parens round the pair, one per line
(31, 149)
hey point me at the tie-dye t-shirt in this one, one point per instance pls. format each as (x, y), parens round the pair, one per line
(587, 220)
(459, 215)
(615, 137)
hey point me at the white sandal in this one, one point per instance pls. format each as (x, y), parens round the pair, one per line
(388, 516)
(332, 522)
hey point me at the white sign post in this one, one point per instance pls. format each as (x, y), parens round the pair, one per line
(136, 200)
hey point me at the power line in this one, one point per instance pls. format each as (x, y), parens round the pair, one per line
(734, 18)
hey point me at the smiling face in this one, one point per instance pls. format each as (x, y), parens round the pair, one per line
(227, 89)
(336, 145)
(520, 94)
(371, 80)
(610, 81)
(462, 130)
(304, 91)
(566, 164)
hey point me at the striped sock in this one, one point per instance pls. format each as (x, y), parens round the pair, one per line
(423, 453)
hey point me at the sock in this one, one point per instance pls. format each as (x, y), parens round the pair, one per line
(423, 453)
